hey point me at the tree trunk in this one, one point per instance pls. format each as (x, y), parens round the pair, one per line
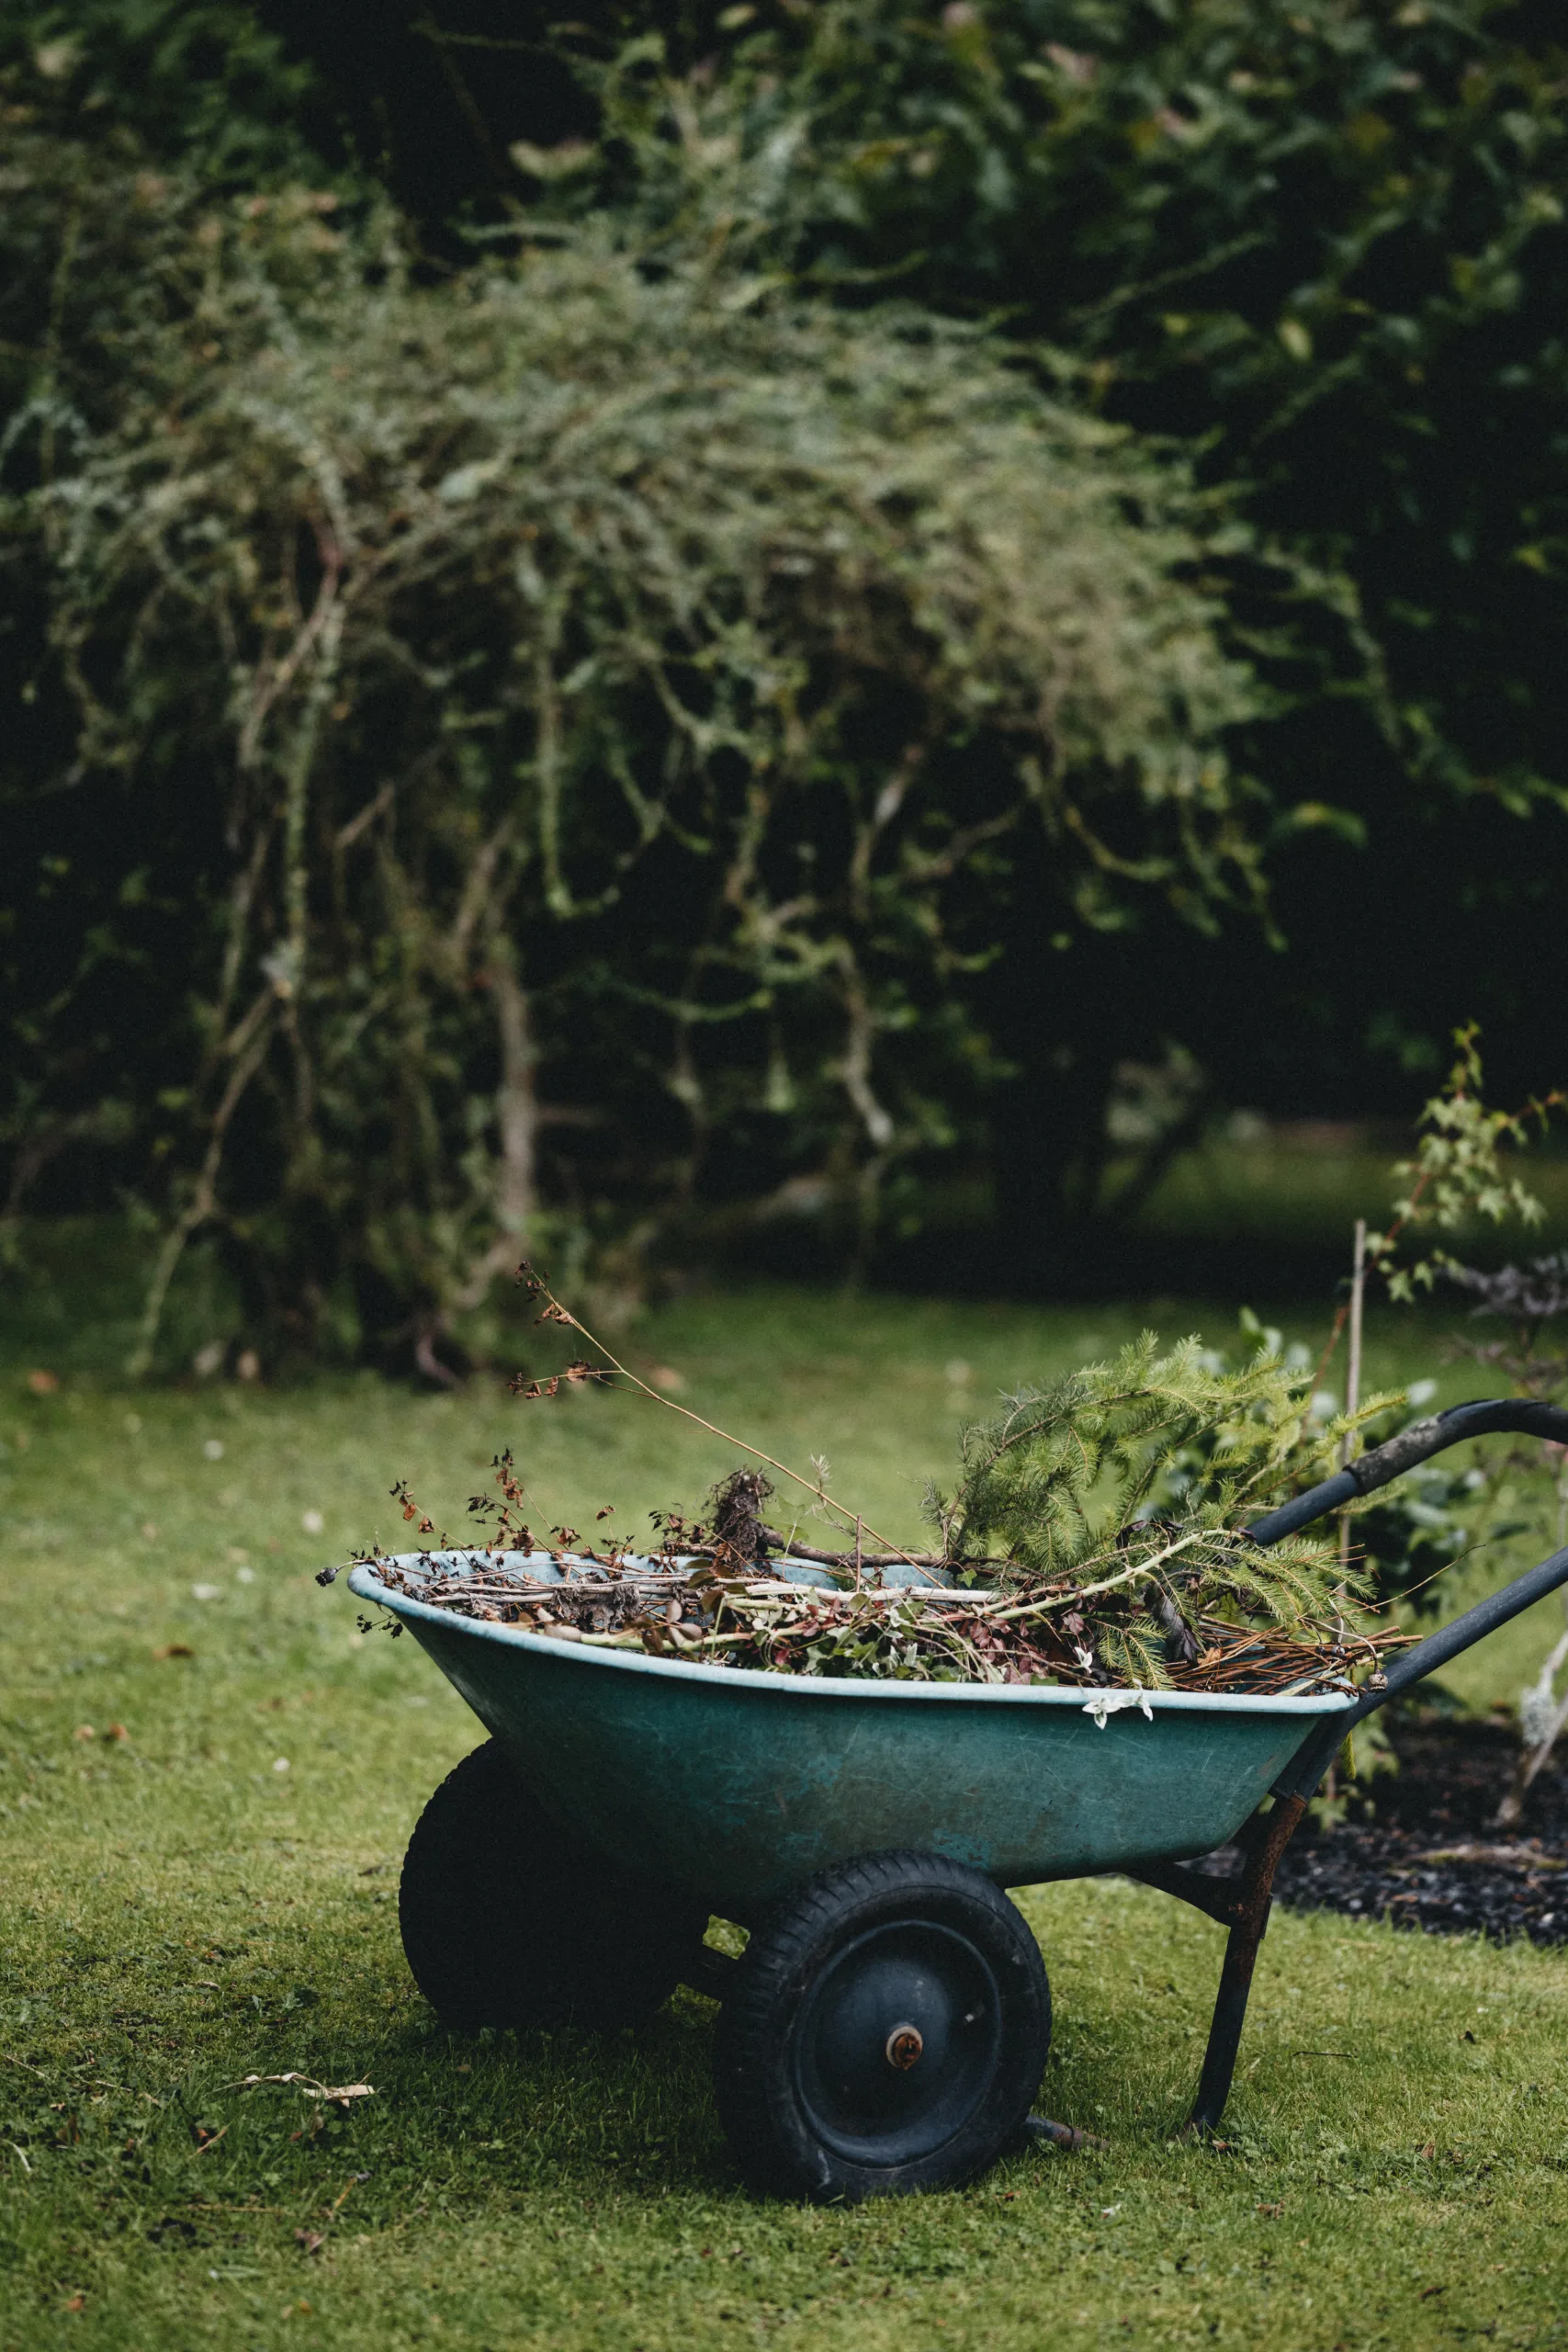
(518, 1121)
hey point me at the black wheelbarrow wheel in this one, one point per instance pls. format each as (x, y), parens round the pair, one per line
(507, 1921)
(886, 2031)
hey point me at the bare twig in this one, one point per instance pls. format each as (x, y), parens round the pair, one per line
(559, 1314)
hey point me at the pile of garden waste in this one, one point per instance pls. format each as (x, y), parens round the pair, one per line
(908, 1633)
(1095, 1537)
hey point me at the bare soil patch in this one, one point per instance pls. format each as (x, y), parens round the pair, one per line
(1424, 1852)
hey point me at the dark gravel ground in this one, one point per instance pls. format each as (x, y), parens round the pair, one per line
(1429, 1856)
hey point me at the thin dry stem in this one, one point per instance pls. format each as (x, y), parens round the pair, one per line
(812, 1486)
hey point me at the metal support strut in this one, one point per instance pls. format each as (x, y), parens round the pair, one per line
(1253, 1902)
(1242, 1901)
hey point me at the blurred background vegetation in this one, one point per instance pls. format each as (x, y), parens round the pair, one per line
(920, 644)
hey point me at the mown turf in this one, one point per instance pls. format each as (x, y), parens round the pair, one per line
(180, 1911)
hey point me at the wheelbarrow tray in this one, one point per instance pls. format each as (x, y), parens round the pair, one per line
(737, 1784)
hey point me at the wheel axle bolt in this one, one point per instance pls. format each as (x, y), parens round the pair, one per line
(903, 2047)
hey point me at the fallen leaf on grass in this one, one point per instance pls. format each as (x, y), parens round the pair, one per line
(1271, 2212)
(341, 2093)
(308, 2240)
(174, 1649)
(44, 1383)
(73, 2302)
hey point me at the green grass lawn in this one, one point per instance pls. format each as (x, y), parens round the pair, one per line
(212, 1896)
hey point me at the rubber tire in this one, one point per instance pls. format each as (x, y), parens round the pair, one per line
(762, 2059)
(506, 1921)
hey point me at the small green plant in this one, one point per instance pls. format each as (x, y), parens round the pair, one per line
(1413, 1532)
(1458, 1173)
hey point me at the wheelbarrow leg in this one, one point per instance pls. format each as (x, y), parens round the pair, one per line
(1249, 1919)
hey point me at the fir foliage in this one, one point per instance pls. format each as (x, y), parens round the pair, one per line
(1125, 1488)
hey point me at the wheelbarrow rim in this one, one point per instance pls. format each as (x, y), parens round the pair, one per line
(368, 1586)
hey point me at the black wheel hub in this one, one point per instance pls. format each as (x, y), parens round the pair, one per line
(898, 2042)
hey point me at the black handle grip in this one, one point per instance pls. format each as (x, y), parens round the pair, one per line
(1485, 1416)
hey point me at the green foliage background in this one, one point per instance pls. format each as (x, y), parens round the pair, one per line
(605, 627)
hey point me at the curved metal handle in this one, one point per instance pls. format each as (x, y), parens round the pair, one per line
(1317, 1753)
(1485, 1417)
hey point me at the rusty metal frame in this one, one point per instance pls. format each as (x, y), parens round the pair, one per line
(1241, 1901)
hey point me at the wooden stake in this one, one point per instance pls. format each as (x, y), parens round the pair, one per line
(1353, 1372)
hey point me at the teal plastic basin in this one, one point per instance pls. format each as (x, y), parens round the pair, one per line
(737, 1784)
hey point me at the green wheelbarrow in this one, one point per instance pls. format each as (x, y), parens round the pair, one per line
(888, 2023)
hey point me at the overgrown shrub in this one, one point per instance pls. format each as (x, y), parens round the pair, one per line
(604, 686)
